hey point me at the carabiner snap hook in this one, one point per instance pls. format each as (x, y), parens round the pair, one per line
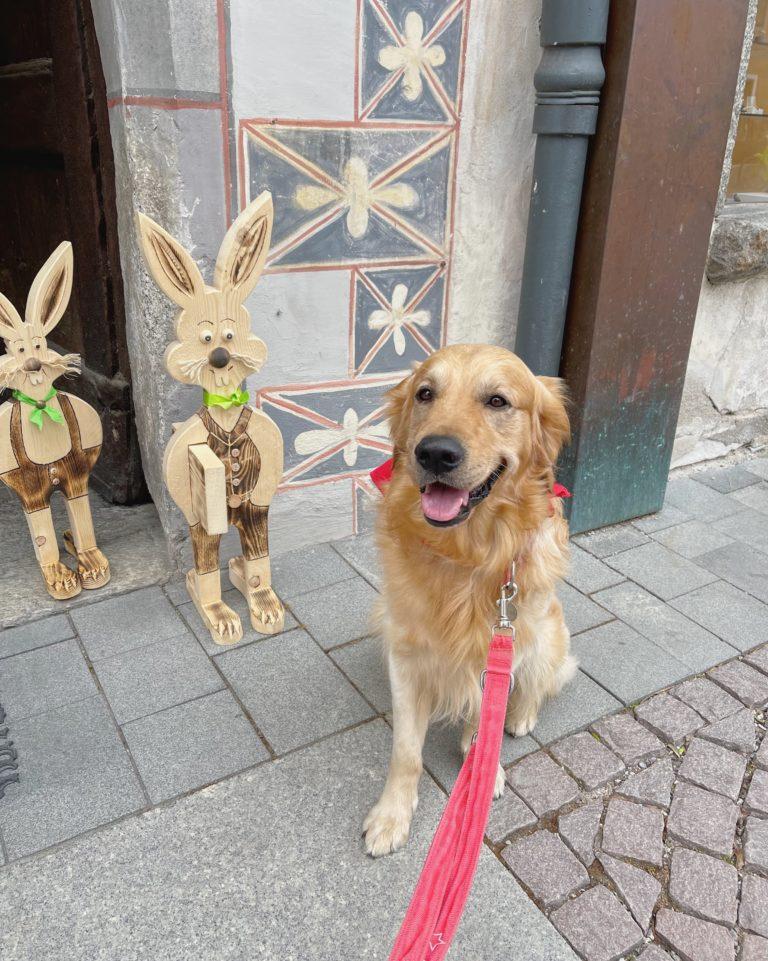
(507, 610)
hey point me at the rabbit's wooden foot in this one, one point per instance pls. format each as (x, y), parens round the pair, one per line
(223, 623)
(265, 607)
(61, 582)
(92, 565)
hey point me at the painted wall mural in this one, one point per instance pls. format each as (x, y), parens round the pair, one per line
(371, 196)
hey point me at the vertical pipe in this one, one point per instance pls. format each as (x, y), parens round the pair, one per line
(567, 81)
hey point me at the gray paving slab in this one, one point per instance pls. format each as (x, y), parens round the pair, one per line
(626, 737)
(625, 663)
(758, 466)
(748, 525)
(598, 925)
(671, 719)
(692, 538)
(587, 759)
(610, 540)
(633, 831)
(666, 517)
(542, 784)
(694, 938)
(579, 829)
(443, 757)
(300, 571)
(580, 612)
(362, 554)
(740, 565)
(176, 591)
(153, 678)
(192, 744)
(364, 663)
(127, 622)
(703, 885)
(589, 574)
(338, 613)
(237, 602)
(661, 571)
(714, 767)
(698, 500)
(546, 867)
(292, 690)
(706, 698)
(702, 820)
(742, 681)
(666, 627)
(755, 497)
(508, 816)
(44, 678)
(76, 775)
(580, 702)
(277, 854)
(726, 479)
(734, 616)
(637, 888)
(26, 637)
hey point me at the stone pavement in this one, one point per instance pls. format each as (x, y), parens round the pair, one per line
(176, 798)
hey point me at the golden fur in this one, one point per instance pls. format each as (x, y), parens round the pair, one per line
(441, 584)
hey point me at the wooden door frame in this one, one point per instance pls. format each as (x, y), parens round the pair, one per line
(650, 192)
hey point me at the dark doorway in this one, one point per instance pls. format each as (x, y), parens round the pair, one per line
(57, 183)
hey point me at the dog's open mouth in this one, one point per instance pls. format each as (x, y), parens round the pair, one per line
(444, 505)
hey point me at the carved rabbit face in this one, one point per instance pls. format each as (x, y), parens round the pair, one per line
(215, 347)
(30, 365)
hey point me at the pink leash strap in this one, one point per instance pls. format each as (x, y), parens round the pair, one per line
(446, 878)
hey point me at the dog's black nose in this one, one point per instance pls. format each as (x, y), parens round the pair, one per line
(439, 454)
(219, 357)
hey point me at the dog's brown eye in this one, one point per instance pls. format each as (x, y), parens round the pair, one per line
(497, 402)
(424, 394)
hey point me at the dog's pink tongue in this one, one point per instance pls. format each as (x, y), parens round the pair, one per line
(442, 503)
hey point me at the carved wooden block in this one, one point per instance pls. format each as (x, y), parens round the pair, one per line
(49, 440)
(222, 465)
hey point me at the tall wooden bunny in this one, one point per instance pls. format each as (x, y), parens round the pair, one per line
(49, 440)
(222, 465)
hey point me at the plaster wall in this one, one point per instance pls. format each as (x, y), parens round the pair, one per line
(212, 101)
(725, 399)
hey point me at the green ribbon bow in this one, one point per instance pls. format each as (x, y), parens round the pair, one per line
(236, 399)
(41, 407)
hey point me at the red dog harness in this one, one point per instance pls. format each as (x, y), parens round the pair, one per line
(446, 878)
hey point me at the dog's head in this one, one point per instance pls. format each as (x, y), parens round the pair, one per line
(469, 423)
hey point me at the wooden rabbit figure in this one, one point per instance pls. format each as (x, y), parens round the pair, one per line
(222, 465)
(49, 440)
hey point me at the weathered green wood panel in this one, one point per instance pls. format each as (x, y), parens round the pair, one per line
(650, 193)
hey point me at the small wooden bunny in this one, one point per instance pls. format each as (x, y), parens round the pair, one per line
(49, 440)
(222, 465)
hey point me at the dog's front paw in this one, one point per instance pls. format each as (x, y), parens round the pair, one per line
(498, 788)
(387, 827)
(520, 722)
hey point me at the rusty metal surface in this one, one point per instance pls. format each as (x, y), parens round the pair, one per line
(647, 210)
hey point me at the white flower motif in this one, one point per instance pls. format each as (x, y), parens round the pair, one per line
(349, 434)
(357, 195)
(413, 57)
(397, 317)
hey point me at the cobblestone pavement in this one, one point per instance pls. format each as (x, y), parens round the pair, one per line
(636, 817)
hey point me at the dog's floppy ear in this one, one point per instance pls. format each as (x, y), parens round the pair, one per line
(549, 420)
(398, 411)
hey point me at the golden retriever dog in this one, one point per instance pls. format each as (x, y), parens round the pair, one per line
(475, 437)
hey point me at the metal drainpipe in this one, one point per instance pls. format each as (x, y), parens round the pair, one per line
(568, 81)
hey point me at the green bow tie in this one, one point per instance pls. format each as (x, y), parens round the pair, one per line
(41, 407)
(236, 399)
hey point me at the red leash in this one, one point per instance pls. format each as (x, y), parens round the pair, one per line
(446, 878)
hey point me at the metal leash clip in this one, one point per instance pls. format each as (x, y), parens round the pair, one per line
(507, 610)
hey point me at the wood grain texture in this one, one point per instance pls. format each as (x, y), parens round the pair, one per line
(233, 484)
(57, 453)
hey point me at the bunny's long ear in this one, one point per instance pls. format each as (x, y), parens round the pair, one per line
(50, 290)
(174, 271)
(10, 322)
(244, 249)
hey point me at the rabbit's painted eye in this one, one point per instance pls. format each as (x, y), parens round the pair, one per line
(228, 335)
(21, 350)
(206, 336)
